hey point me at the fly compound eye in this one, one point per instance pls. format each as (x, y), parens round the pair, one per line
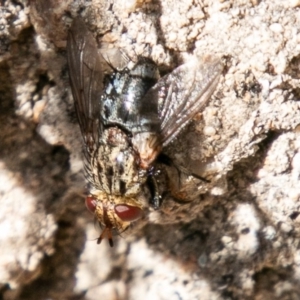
(91, 203)
(128, 213)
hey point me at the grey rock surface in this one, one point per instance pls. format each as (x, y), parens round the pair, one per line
(234, 237)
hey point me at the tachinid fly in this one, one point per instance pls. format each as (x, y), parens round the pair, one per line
(126, 119)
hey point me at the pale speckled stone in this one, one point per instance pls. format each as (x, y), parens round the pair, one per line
(276, 28)
(209, 130)
(294, 3)
(17, 251)
(269, 232)
(226, 240)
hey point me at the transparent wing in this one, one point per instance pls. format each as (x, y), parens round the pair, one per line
(113, 58)
(183, 93)
(86, 78)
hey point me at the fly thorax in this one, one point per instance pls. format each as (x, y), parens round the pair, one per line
(115, 167)
(122, 101)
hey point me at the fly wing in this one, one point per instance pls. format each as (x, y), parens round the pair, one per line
(113, 58)
(183, 93)
(86, 78)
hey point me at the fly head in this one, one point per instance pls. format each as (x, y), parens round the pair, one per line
(113, 213)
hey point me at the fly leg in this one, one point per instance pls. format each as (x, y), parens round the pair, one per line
(156, 198)
(183, 185)
(166, 160)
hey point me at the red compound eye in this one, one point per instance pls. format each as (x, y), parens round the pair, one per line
(91, 203)
(128, 213)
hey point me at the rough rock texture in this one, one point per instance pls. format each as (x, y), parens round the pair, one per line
(234, 237)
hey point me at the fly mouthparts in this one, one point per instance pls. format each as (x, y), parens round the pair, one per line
(106, 233)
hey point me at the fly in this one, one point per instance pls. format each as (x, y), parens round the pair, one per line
(126, 119)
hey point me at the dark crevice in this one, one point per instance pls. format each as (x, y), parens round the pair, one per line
(247, 168)
(42, 82)
(58, 270)
(266, 278)
(294, 215)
